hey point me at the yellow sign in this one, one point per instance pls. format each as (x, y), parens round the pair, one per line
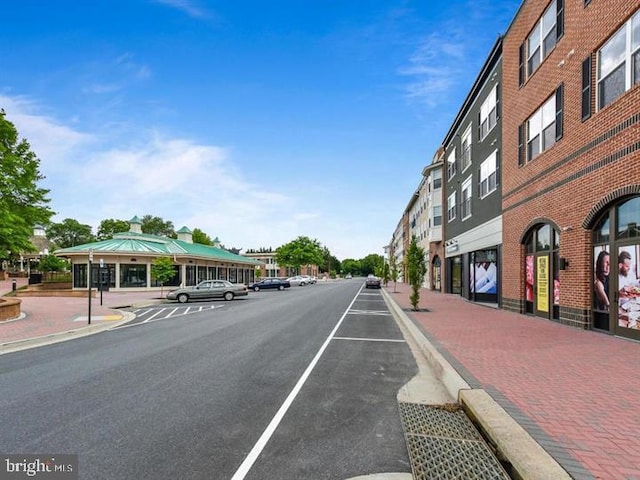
(542, 282)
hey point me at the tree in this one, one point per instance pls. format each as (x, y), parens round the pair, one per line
(51, 263)
(349, 265)
(198, 236)
(416, 270)
(372, 263)
(385, 274)
(299, 252)
(69, 233)
(157, 226)
(110, 226)
(393, 270)
(22, 203)
(162, 271)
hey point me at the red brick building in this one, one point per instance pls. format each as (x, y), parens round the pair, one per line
(571, 163)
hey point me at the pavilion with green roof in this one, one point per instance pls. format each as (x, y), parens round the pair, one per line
(123, 263)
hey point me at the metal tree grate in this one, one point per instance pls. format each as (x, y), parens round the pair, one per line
(446, 445)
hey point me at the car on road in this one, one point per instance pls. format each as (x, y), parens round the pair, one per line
(209, 289)
(270, 283)
(299, 280)
(348, 276)
(372, 282)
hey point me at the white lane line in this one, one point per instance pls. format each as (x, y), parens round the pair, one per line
(370, 339)
(369, 312)
(154, 315)
(171, 312)
(250, 459)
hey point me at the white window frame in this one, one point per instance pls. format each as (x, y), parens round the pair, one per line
(466, 149)
(435, 176)
(437, 215)
(620, 51)
(465, 200)
(451, 163)
(489, 175)
(489, 113)
(541, 122)
(451, 207)
(537, 47)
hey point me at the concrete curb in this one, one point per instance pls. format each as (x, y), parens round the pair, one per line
(512, 442)
(19, 345)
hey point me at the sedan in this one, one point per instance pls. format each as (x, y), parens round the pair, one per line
(298, 280)
(270, 283)
(207, 290)
(372, 282)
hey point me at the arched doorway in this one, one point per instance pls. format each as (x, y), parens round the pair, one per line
(436, 272)
(542, 281)
(616, 270)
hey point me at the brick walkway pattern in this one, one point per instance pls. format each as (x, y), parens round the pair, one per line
(576, 392)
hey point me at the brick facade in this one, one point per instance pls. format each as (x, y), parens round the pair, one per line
(595, 163)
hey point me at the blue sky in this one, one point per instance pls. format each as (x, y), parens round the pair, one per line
(255, 121)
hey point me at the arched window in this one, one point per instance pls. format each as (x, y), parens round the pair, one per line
(616, 270)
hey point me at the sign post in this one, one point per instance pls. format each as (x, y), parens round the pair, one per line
(100, 279)
(89, 281)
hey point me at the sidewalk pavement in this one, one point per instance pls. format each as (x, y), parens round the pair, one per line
(575, 392)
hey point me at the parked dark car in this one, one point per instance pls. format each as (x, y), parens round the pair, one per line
(267, 283)
(209, 289)
(372, 282)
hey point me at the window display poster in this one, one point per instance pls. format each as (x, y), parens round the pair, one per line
(628, 287)
(529, 278)
(542, 283)
(601, 270)
(484, 277)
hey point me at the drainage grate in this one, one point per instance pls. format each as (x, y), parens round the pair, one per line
(446, 445)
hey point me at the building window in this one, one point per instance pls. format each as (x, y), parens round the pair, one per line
(489, 113)
(543, 38)
(489, 175)
(541, 129)
(451, 163)
(619, 62)
(133, 275)
(466, 199)
(436, 178)
(466, 149)
(437, 215)
(451, 207)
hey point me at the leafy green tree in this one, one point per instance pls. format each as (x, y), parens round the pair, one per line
(162, 271)
(198, 236)
(385, 274)
(349, 265)
(393, 270)
(372, 263)
(299, 252)
(51, 263)
(69, 233)
(110, 226)
(157, 226)
(416, 270)
(22, 203)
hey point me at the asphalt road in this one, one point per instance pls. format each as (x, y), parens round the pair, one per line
(299, 384)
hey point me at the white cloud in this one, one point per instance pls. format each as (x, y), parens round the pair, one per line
(186, 6)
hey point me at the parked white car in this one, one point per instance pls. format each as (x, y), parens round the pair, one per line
(298, 281)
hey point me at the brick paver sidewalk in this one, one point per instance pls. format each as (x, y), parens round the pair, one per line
(576, 392)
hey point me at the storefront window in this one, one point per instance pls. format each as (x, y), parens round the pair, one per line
(542, 272)
(80, 275)
(133, 275)
(191, 275)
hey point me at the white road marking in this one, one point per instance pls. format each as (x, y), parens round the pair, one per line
(250, 459)
(370, 339)
(368, 312)
(154, 315)
(172, 312)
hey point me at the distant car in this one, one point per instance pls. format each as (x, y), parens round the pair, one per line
(309, 279)
(207, 290)
(372, 282)
(348, 276)
(299, 280)
(270, 283)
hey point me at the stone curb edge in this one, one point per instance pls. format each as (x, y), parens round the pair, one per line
(18, 345)
(512, 442)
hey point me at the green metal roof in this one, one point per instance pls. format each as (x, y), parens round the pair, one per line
(141, 243)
